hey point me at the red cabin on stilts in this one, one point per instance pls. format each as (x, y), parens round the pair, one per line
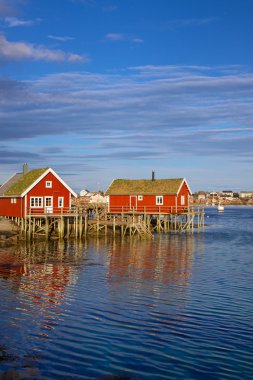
(153, 196)
(39, 191)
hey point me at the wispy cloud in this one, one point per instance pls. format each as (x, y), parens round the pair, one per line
(25, 51)
(175, 113)
(12, 22)
(60, 38)
(171, 102)
(116, 37)
(190, 22)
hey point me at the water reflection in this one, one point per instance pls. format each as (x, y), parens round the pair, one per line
(73, 301)
(38, 276)
(166, 260)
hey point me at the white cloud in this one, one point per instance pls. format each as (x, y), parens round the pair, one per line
(60, 38)
(12, 22)
(176, 115)
(25, 51)
(115, 37)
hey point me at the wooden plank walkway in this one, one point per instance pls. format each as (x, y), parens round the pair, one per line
(95, 219)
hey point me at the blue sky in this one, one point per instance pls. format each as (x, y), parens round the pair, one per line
(104, 89)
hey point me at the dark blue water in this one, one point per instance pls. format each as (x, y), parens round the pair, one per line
(177, 307)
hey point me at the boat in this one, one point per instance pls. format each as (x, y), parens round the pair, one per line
(220, 207)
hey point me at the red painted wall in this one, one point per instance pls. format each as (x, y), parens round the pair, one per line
(57, 190)
(7, 208)
(171, 203)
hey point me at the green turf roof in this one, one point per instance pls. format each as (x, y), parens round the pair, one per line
(25, 182)
(144, 186)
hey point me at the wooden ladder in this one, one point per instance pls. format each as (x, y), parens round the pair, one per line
(142, 230)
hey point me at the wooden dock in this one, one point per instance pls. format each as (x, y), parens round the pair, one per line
(95, 219)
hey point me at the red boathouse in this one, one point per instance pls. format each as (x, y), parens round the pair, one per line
(153, 196)
(39, 191)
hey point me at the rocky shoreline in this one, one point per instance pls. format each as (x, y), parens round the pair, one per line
(9, 232)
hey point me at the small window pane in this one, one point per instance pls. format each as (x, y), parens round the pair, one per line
(60, 202)
(159, 200)
(48, 183)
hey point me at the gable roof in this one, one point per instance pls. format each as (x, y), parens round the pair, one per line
(20, 184)
(146, 186)
(24, 182)
(9, 183)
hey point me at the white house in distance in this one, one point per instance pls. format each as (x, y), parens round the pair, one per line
(246, 194)
(93, 197)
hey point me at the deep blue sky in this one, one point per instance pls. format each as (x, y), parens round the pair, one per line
(101, 89)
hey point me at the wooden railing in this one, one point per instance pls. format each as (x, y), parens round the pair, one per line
(149, 209)
(102, 209)
(51, 211)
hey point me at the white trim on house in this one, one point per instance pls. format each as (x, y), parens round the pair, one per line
(159, 200)
(60, 202)
(48, 207)
(38, 200)
(49, 170)
(48, 184)
(25, 207)
(180, 187)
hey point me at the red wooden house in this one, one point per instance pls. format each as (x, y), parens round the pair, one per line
(38, 191)
(149, 196)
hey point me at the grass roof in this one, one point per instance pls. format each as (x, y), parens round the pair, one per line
(26, 181)
(144, 186)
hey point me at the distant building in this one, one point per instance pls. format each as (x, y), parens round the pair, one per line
(201, 195)
(92, 197)
(227, 193)
(246, 194)
(84, 193)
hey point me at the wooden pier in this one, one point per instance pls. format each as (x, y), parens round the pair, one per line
(79, 222)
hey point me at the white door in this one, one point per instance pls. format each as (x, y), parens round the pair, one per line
(48, 205)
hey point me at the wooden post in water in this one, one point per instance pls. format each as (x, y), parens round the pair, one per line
(47, 227)
(67, 227)
(80, 226)
(114, 226)
(85, 224)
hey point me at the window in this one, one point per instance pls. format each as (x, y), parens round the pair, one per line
(140, 197)
(13, 200)
(182, 200)
(48, 183)
(36, 202)
(48, 201)
(60, 202)
(159, 200)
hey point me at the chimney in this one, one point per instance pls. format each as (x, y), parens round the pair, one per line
(25, 169)
(153, 175)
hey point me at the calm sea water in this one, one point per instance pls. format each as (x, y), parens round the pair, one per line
(177, 307)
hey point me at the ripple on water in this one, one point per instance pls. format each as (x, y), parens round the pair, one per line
(177, 307)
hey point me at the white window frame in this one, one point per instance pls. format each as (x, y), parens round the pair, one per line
(60, 202)
(140, 197)
(159, 200)
(36, 202)
(48, 184)
(51, 201)
(13, 200)
(182, 200)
